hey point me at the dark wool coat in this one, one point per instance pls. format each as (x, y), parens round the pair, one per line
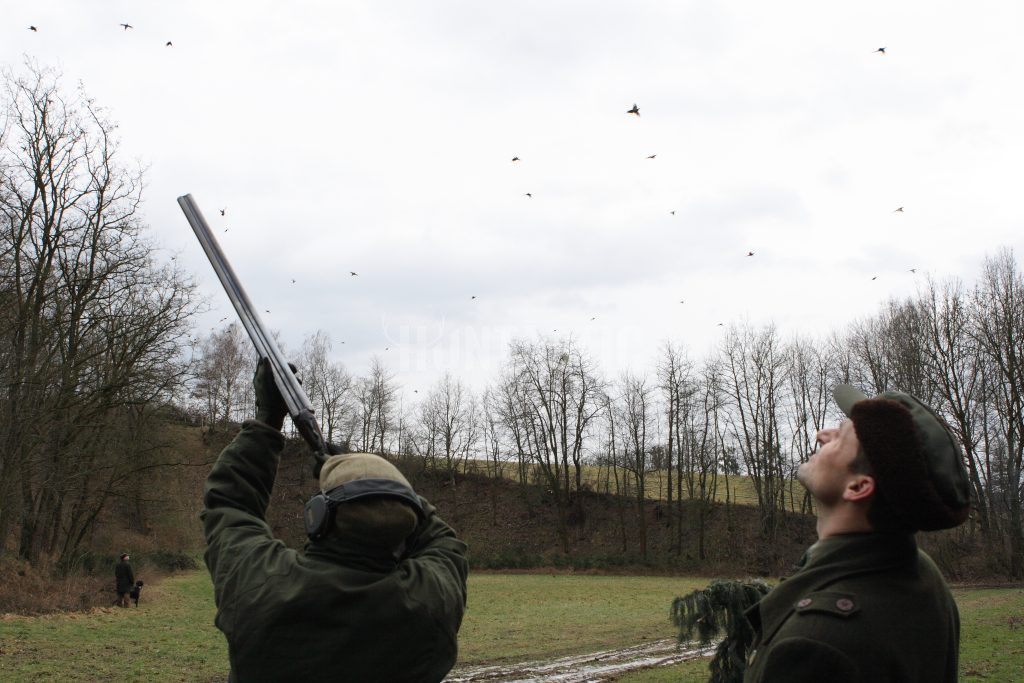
(337, 612)
(124, 576)
(864, 607)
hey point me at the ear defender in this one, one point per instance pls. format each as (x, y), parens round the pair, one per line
(319, 511)
(318, 515)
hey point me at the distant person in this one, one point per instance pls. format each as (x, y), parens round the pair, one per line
(378, 594)
(866, 604)
(125, 579)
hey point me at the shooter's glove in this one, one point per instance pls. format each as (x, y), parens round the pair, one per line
(270, 406)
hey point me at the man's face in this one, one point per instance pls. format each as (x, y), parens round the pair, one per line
(827, 471)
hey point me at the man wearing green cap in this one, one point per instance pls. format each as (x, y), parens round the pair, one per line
(866, 604)
(378, 594)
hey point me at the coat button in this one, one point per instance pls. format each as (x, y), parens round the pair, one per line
(805, 602)
(844, 604)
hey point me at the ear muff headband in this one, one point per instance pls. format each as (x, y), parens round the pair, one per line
(319, 512)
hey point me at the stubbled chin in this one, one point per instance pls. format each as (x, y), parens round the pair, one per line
(801, 474)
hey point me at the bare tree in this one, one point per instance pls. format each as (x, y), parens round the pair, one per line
(954, 360)
(91, 324)
(754, 369)
(556, 397)
(222, 376)
(450, 423)
(701, 435)
(999, 329)
(673, 377)
(376, 396)
(493, 441)
(636, 413)
(328, 385)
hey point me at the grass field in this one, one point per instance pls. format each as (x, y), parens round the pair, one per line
(171, 636)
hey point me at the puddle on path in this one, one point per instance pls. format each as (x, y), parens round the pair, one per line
(595, 666)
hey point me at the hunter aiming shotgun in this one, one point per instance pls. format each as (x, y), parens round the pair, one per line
(299, 407)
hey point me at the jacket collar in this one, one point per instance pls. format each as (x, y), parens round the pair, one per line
(826, 562)
(347, 553)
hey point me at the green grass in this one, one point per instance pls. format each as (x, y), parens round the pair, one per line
(533, 616)
(171, 636)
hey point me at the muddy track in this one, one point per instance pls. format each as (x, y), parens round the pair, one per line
(595, 666)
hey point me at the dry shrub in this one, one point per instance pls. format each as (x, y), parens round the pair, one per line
(28, 590)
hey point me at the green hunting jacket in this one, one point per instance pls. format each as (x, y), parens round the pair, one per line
(864, 607)
(124, 576)
(336, 612)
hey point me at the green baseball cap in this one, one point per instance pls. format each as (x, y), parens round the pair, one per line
(918, 463)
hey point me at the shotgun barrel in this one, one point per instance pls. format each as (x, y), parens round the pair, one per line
(299, 407)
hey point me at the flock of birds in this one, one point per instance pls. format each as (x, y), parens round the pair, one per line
(125, 25)
(632, 111)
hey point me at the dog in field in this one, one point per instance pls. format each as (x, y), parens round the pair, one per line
(135, 592)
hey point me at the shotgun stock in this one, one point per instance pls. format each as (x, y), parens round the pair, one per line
(299, 407)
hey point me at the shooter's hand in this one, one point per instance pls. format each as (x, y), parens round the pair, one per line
(270, 406)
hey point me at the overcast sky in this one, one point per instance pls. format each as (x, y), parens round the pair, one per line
(378, 137)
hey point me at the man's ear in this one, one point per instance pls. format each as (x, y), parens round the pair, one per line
(859, 488)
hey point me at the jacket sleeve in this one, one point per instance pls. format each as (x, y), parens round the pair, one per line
(235, 501)
(436, 551)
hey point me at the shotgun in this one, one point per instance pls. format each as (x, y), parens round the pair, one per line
(299, 407)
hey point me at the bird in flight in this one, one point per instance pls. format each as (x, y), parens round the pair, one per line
(750, 253)
(515, 158)
(293, 281)
(169, 44)
(721, 324)
(682, 301)
(874, 278)
(33, 29)
(672, 212)
(881, 49)
(352, 273)
(126, 26)
(912, 270)
(267, 310)
(528, 195)
(899, 210)
(634, 110)
(593, 319)
(223, 210)
(226, 229)
(472, 297)
(652, 156)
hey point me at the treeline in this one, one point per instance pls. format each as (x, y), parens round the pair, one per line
(752, 407)
(95, 354)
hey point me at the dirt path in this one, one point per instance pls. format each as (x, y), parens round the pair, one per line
(595, 666)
